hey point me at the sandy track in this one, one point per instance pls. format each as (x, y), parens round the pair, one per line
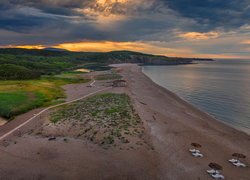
(49, 108)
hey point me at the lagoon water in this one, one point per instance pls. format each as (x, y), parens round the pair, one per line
(220, 88)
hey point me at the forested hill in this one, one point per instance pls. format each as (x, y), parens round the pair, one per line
(40, 62)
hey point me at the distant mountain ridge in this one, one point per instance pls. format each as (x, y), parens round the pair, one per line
(54, 49)
(53, 61)
(105, 57)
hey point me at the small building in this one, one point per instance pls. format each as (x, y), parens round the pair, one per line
(119, 83)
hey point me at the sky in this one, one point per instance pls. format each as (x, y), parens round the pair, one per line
(183, 28)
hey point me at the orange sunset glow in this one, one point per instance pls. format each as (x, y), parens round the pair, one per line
(149, 26)
(145, 47)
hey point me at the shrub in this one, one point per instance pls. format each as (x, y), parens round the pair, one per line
(16, 72)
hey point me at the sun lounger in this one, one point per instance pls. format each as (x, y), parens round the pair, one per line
(233, 160)
(239, 164)
(212, 171)
(194, 150)
(197, 154)
(217, 176)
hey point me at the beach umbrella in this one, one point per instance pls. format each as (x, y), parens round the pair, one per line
(215, 166)
(238, 155)
(196, 145)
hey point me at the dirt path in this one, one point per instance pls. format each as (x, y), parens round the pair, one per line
(30, 156)
(74, 93)
(49, 108)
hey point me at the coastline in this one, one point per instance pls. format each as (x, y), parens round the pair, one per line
(241, 129)
(191, 106)
(174, 123)
(170, 124)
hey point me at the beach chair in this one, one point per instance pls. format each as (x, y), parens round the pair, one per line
(217, 176)
(212, 171)
(197, 154)
(239, 164)
(233, 160)
(194, 150)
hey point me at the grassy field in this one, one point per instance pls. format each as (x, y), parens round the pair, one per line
(108, 120)
(17, 97)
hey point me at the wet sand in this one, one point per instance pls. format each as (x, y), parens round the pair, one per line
(171, 125)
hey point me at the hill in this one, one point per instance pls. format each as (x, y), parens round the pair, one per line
(47, 61)
(54, 49)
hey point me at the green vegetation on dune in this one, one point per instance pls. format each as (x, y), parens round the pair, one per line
(17, 97)
(105, 119)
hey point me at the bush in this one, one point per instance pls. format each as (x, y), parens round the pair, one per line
(16, 72)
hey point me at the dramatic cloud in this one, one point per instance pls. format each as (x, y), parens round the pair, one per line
(167, 25)
(246, 42)
(199, 36)
(212, 14)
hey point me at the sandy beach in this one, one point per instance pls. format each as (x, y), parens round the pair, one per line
(170, 123)
(176, 124)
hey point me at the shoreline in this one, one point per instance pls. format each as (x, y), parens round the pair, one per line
(241, 129)
(170, 126)
(178, 98)
(174, 123)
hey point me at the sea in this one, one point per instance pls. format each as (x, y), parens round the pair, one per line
(221, 88)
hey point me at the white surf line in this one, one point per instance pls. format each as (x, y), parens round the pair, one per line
(48, 108)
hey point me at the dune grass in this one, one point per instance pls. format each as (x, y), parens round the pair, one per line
(17, 97)
(106, 119)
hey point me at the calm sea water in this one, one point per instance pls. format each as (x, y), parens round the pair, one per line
(221, 88)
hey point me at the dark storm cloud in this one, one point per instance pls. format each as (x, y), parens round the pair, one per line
(18, 21)
(226, 14)
(56, 21)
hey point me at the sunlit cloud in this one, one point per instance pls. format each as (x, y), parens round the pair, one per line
(246, 42)
(199, 36)
(105, 8)
(146, 47)
(150, 47)
(107, 14)
(115, 7)
(167, 27)
(100, 46)
(26, 46)
(106, 46)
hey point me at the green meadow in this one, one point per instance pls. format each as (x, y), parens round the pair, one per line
(17, 97)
